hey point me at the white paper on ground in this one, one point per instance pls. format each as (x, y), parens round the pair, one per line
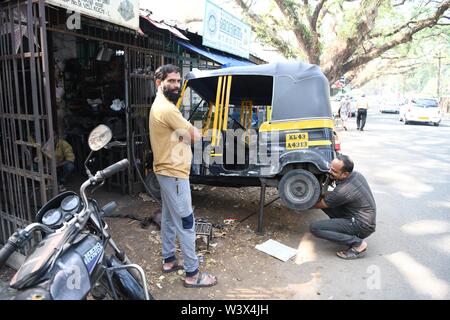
(277, 249)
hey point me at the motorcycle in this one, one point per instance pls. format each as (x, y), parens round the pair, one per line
(71, 261)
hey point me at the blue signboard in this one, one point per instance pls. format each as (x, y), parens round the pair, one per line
(225, 32)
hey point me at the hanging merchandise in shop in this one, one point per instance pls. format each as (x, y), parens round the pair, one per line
(121, 12)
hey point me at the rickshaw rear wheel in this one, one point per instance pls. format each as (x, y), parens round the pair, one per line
(153, 185)
(299, 189)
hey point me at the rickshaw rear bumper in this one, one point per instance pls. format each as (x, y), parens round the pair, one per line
(320, 160)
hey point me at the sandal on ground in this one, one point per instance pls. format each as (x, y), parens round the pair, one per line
(201, 281)
(176, 266)
(351, 253)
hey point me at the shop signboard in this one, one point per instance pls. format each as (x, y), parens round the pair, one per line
(121, 12)
(225, 32)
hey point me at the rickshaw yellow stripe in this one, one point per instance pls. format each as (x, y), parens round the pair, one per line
(216, 111)
(269, 113)
(319, 143)
(296, 125)
(208, 120)
(227, 105)
(180, 99)
(222, 101)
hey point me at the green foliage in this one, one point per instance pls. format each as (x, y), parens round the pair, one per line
(344, 31)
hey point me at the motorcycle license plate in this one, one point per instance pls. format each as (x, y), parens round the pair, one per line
(296, 141)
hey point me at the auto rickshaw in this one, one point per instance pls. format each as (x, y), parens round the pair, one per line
(268, 124)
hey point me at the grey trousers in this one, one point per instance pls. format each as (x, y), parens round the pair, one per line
(339, 229)
(178, 220)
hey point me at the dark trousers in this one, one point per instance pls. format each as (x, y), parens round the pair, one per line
(64, 171)
(361, 118)
(338, 229)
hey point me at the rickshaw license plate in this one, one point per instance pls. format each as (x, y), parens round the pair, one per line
(296, 141)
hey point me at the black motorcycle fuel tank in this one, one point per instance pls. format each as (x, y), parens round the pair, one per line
(71, 279)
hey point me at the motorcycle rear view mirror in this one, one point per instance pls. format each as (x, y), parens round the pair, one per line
(99, 137)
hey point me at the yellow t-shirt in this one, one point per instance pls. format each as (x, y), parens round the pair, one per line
(363, 103)
(63, 151)
(171, 157)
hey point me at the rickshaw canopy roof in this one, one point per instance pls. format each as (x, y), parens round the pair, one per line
(294, 69)
(293, 89)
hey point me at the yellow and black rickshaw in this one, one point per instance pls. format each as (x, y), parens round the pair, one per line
(268, 123)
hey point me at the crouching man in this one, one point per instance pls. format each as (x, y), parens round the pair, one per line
(351, 208)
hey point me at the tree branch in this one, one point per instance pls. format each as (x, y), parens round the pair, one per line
(303, 35)
(403, 38)
(395, 31)
(360, 77)
(267, 33)
(316, 13)
(367, 17)
(399, 4)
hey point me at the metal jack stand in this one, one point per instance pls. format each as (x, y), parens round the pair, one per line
(262, 205)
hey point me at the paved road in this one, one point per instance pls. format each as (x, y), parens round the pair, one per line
(408, 169)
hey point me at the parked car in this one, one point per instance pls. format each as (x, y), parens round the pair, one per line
(392, 106)
(424, 110)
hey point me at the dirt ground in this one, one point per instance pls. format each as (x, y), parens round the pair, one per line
(243, 272)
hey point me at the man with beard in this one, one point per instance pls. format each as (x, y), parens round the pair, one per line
(351, 207)
(171, 136)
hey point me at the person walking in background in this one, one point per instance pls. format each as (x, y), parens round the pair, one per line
(362, 106)
(344, 111)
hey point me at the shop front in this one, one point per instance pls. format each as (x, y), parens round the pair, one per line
(61, 81)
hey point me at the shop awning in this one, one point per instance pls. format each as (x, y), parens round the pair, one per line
(225, 61)
(164, 26)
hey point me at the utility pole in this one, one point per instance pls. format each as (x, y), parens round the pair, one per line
(439, 57)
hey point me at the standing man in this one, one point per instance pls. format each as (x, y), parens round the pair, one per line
(351, 207)
(362, 106)
(171, 136)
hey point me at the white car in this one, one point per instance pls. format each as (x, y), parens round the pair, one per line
(424, 110)
(392, 106)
